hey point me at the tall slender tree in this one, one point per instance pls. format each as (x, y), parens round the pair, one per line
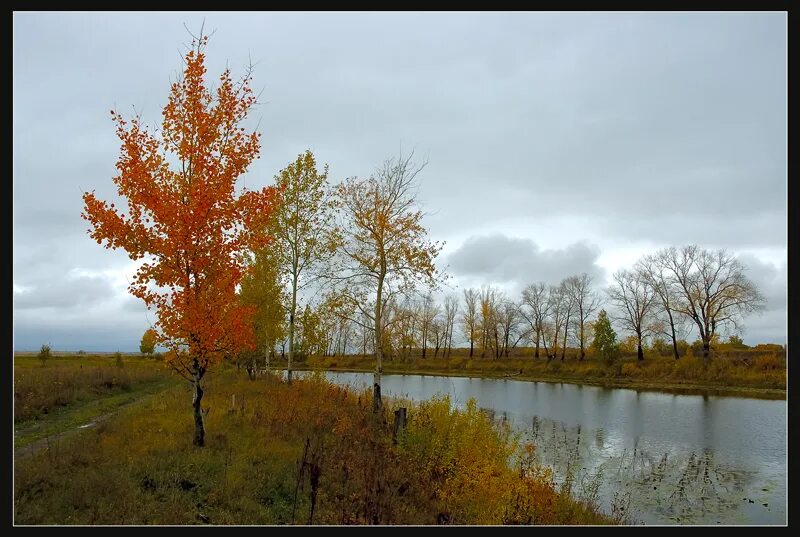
(634, 298)
(185, 221)
(655, 269)
(300, 225)
(383, 250)
(585, 301)
(469, 318)
(535, 310)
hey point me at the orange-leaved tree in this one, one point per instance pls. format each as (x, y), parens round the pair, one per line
(185, 221)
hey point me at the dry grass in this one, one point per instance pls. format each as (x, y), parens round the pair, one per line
(754, 368)
(62, 381)
(139, 467)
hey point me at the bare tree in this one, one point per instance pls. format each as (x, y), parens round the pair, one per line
(383, 249)
(508, 323)
(535, 310)
(570, 302)
(655, 270)
(634, 299)
(437, 334)
(429, 310)
(585, 302)
(450, 313)
(469, 319)
(558, 303)
(714, 291)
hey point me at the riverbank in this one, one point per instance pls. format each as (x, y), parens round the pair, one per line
(311, 452)
(687, 376)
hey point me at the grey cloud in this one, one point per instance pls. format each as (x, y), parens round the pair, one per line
(64, 292)
(504, 259)
(770, 325)
(667, 128)
(105, 329)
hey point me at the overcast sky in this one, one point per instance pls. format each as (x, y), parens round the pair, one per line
(557, 143)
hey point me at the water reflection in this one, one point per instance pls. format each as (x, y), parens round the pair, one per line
(664, 458)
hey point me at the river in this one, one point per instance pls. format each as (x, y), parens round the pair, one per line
(663, 458)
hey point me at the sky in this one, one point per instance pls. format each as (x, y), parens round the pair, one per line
(556, 143)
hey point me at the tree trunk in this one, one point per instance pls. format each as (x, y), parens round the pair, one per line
(291, 330)
(546, 352)
(199, 428)
(471, 345)
(639, 353)
(400, 416)
(536, 353)
(674, 341)
(706, 351)
(266, 355)
(376, 385)
(583, 341)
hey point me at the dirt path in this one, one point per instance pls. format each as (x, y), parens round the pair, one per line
(49, 441)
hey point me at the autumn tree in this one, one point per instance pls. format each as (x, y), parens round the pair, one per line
(336, 324)
(383, 249)
(488, 303)
(148, 344)
(469, 318)
(713, 290)
(535, 309)
(634, 299)
(300, 230)
(585, 302)
(184, 220)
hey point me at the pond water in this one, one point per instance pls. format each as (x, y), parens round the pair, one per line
(663, 458)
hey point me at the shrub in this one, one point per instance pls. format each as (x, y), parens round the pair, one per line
(661, 347)
(44, 354)
(118, 359)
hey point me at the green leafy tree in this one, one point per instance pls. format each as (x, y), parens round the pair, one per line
(262, 288)
(300, 229)
(605, 339)
(148, 343)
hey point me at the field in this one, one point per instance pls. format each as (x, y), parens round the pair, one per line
(309, 453)
(71, 390)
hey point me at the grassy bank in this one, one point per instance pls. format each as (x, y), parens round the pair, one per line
(760, 375)
(71, 390)
(307, 453)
